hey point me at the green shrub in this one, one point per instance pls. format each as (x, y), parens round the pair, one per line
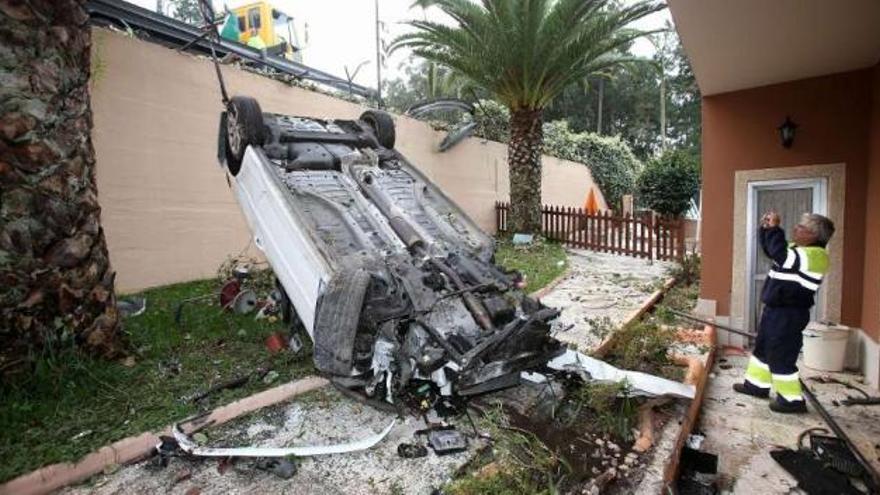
(612, 163)
(669, 182)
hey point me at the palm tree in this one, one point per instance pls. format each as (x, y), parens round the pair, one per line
(55, 276)
(525, 52)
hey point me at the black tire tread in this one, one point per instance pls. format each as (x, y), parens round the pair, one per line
(383, 126)
(251, 116)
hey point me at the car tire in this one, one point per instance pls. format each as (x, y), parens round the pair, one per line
(337, 319)
(244, 127)
(382, 125)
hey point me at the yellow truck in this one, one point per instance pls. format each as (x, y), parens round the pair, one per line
(264, 27)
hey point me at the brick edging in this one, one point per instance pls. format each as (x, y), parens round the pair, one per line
(49, 478)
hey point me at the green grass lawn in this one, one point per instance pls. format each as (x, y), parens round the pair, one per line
(541, 262)
(71, 404)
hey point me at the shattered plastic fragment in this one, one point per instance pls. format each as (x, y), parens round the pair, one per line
(190, 447)
(641, 383)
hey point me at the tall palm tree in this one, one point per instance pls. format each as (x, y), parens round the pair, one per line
(525, 52)
(55, 276)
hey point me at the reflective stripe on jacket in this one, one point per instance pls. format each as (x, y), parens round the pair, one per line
(797, 271)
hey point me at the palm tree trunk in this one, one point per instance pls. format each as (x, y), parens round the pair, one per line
(55, 275)
(524, 162)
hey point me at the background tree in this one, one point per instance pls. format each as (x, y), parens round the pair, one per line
(55, 276)
(669, 182)
(186, 11)
(525, 53)
(631, 101)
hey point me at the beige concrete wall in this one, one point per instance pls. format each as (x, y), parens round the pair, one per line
(167, 211)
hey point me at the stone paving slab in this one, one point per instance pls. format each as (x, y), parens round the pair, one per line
(601, 286)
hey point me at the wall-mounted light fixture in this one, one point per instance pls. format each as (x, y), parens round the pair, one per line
(786, 132)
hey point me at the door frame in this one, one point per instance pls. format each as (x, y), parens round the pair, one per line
(819, 185)
(833, 282)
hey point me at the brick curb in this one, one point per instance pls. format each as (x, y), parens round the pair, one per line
(49, 478)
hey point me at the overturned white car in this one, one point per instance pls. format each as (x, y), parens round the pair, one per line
(392, 281)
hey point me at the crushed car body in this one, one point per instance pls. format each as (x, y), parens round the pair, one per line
(394, 283)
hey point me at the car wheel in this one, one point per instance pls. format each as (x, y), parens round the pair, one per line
(244, 127)
(382, 125)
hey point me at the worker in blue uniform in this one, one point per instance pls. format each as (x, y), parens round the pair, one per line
(789, 293)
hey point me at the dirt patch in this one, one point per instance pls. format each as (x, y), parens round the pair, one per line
(584, 440)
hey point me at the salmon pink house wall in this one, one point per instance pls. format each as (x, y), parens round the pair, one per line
(757, 62)
(740, 133)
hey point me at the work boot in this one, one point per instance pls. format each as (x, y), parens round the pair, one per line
(749, 389)
(789, 407)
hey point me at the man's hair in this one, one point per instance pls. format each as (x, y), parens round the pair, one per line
(820, 225)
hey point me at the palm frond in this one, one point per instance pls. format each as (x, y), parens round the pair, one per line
(525, 52)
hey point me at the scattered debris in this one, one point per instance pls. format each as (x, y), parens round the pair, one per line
(832, 451)
(641, 383)
(523, 239)
(411, 450)
(281, 467)
(276, 342)
(245, 302)
(446, 441)
(813, 476)
(234, 383)
(131, 306)
(190, 447)
(270, 377)
(81, 434)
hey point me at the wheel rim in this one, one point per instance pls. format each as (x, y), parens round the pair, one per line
(233, 131)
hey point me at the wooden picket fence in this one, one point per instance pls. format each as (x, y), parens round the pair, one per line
(641, 236)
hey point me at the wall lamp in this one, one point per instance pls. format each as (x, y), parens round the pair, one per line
(786, 132)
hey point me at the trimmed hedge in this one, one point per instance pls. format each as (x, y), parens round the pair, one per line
(669, 182)
(613, 164)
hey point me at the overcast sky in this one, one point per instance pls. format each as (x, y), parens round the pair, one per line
(342, 33)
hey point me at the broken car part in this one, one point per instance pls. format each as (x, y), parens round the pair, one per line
(131, 306)
(445, 441)
(814, 477)
(832, 451)
(872, 478)
(456, 135)
(279, 466)
(411, 450)
(640, 383)
(190, 447)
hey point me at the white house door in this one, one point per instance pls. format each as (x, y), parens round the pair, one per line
(790, 198)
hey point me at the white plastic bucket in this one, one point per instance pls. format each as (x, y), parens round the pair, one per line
(825, 347)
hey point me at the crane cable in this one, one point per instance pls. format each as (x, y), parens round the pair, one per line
(208, 16)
